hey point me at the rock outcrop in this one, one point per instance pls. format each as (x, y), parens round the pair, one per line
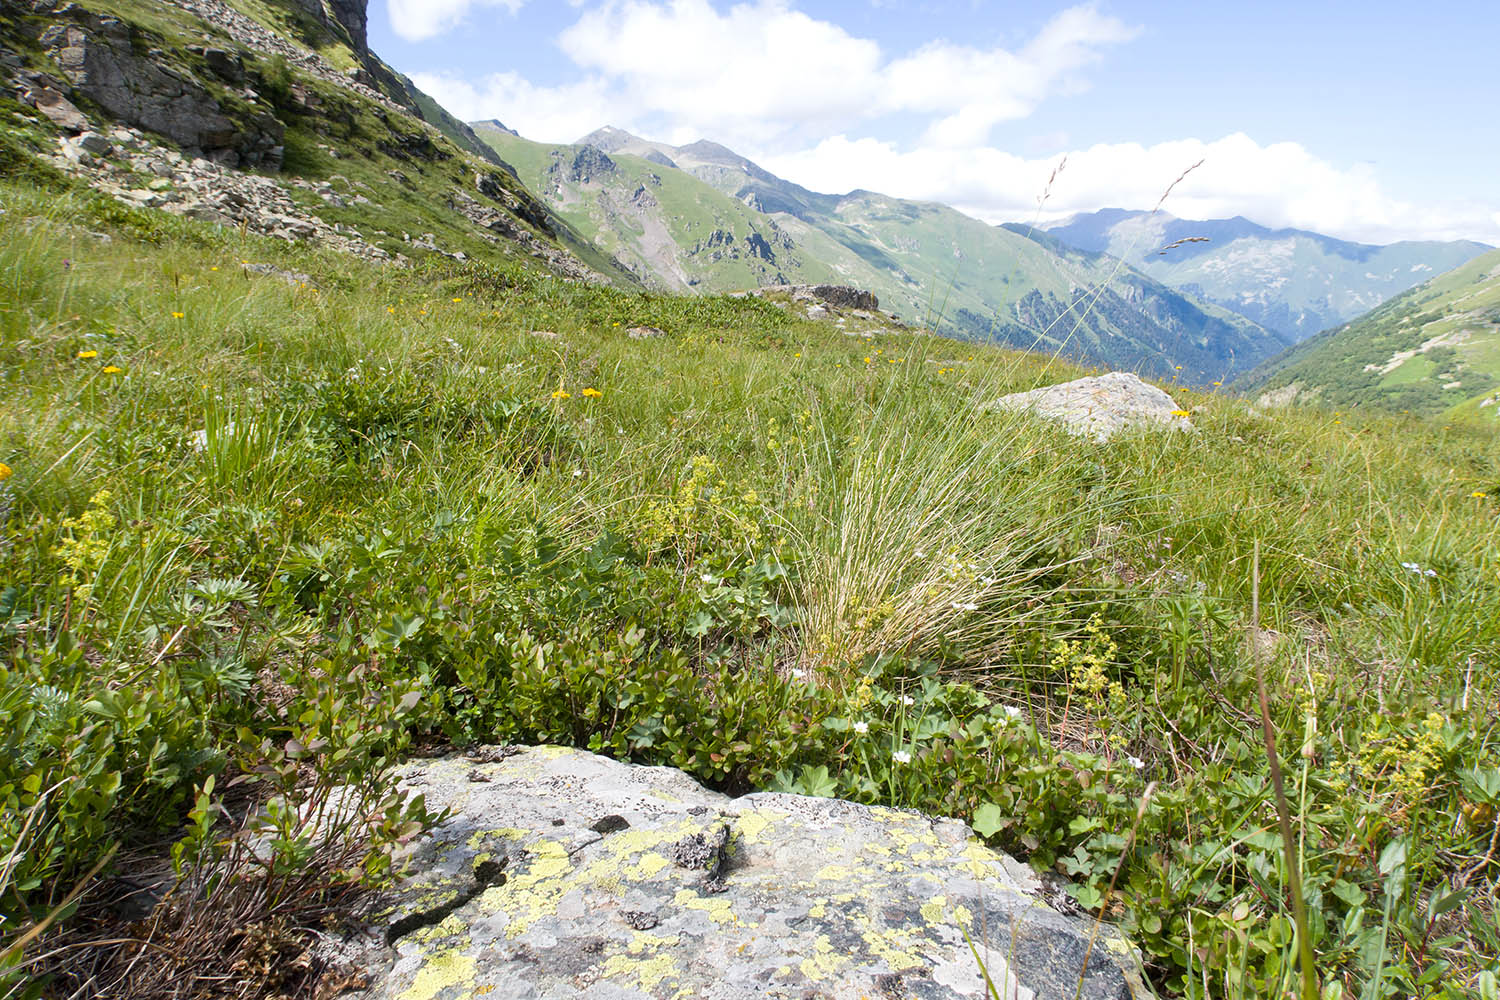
(1102, 406)
(562, 874)
(839, 296)
(97, 53)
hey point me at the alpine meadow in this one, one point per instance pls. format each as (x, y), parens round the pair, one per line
(439, 564)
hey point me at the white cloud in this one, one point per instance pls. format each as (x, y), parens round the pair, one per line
(1280, 184)
(546, 114)
(418, 20)
(975, 89)
(762, 73)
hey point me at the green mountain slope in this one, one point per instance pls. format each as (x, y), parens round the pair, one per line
(1435, 348)
(1290, 280)
(671, 230)
(650, 205)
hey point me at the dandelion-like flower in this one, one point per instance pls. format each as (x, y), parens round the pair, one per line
(112, 369)
(1182, 413)
(861, 728)
(5, 472)
(592, 393)
(178, 315)
(562, 394)
(88, 354)
(901, 757)
(1479, 494)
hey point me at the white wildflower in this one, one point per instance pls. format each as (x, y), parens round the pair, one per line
(1135, 762)
(861, 728)
(901, 757)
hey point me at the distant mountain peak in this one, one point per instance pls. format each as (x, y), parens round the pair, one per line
(611, 139)
(495, 124)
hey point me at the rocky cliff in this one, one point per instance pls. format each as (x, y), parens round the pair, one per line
(273, 117)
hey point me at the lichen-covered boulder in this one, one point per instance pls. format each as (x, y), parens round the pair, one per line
(1101, 406)
(561, 874)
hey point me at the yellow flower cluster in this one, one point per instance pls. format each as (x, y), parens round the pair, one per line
(1084, 661)
(4, 472)
(1403, 761)
(86, 543)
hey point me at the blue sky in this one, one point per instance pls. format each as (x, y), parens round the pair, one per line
(1372, 121)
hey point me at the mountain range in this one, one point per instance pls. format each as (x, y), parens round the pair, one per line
(701, 217)
(1433, 349)
(1288, 280)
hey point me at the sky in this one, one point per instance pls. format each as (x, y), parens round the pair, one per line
(1372, 121)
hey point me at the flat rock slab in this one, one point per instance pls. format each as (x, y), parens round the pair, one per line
(1101, 406)
(561, 874)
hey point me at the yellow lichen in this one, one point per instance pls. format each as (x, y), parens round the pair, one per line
(824, 963)
(752, 824)
(935, 910)
(440, 972)
(718, 910)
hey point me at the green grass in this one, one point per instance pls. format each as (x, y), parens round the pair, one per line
(291, 500)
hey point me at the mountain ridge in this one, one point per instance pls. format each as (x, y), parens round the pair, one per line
(926, 261)
(1292, 280)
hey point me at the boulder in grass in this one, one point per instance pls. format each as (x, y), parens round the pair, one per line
(1101, 406)
(559, 873)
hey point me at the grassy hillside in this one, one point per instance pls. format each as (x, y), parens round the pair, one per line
(928, 263)
(1289, 280)
(259, 537)
(1435, 348)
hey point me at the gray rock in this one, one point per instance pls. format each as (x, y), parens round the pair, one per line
(1101, 406)
(60, 110)
(98, 56)
(644, 333)
(95, 144)
(838, 296)
(560, 874)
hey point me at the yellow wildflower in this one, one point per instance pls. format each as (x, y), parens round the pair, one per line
(112, 369)
(391, 310)
(458, 300)
(592, 393)
(88, 354)
(214, 268)
(177, 315)
(1479, 494)
(562, 394)
(4, 472)
(1177, 368)
(1181, 413)
(1218, 383)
